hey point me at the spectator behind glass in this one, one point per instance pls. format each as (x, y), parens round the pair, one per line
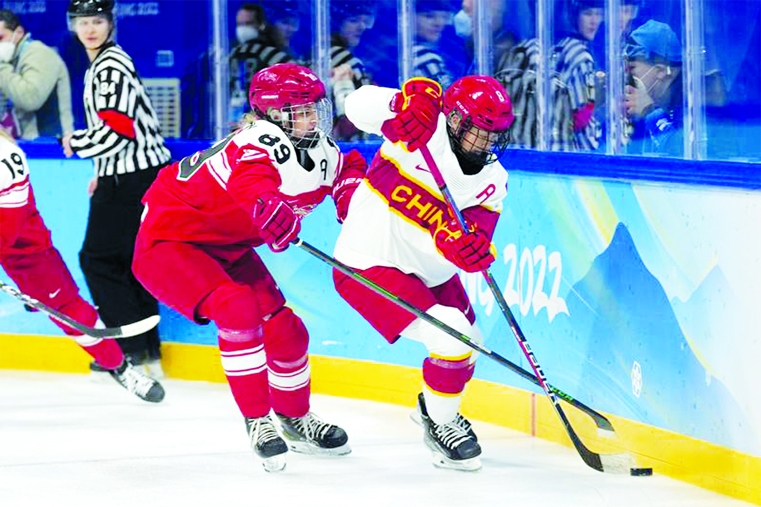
(503, 38)
(429, 58)
(574, 127)
(653, 99)
(35, 90)
(349, 19)
(257, 49)
(284, 18)
(628, 20)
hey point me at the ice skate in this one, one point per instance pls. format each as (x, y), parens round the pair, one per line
(267, 443)
(310, 435)
(452, 446)
(145, 363)
(460, 419)
(137, 382)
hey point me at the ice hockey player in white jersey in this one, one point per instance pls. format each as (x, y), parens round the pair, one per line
(399, 233)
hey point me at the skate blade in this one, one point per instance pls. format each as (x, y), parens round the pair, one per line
(415, 417)
(307, 448)
(274, 464)
(100, 377)
(464, 465)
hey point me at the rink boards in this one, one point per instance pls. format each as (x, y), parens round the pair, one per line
(636, 296)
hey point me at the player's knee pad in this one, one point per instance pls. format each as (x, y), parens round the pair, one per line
(235, 311)
(439, 343)
(447, 377)
(79, 310)
(476, 335)
(285, 336)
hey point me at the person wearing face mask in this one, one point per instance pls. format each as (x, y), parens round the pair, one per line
(34, 83)
(653, 97)
(257, 49)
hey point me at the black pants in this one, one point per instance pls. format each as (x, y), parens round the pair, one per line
(106, 257)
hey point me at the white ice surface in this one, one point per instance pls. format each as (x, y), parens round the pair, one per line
(68, 441)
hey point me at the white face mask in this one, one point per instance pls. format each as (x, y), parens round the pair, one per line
(463, 24)
(245, 33)
(7, 48)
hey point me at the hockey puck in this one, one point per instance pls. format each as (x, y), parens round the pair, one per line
(641, 471)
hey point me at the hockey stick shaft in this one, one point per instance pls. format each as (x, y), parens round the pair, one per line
(592, 459)
(125, 331)
(600, 420)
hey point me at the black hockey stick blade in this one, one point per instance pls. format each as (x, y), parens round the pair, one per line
(125, 331)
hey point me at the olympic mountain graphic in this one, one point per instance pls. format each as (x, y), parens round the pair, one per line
(622, 316)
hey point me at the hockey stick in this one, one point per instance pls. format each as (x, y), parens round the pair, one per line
(616, 463)
(124, 331)
(603, 424)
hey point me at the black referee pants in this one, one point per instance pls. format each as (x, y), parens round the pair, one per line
(106, 257)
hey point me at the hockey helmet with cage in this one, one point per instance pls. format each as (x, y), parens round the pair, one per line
(82, 8)
(292, 97)
(479, 114)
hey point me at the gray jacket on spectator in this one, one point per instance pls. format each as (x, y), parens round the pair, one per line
(37, 83)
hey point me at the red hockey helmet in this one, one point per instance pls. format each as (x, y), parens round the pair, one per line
(479, 113)
(286, 94)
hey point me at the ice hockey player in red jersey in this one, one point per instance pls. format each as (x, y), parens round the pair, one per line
(399, 233)
(29, 258)
(194, 250)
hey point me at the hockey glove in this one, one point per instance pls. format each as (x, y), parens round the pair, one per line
(470, 252)
(278, 224)
(417, 106)
(351, 175)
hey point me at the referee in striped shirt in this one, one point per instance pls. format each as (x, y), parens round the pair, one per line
(124, 141)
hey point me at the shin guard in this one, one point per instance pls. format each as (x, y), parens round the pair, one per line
(286, 341)
(444, 383)
(235, 310)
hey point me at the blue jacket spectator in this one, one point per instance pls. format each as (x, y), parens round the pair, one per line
(653, 97)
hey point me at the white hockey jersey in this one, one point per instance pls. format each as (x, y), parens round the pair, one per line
(14, 175)
(392, 211)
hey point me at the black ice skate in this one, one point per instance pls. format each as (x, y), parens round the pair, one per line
(452, 446)
(266, 443)
(460, 419)
(310, 435)
(138, 383)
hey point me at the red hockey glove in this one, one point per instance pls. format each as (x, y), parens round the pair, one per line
(350, 176)
(417, 107)
(342, 192)
(278, 224)
(470, 252)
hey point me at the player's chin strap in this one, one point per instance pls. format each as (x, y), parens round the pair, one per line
(614, 463)
(610, 463)
(125, 331)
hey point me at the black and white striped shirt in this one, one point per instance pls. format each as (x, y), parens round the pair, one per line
(575, 68)
(427, 62)
(114, 90)
(341, 55)
(249, 58)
